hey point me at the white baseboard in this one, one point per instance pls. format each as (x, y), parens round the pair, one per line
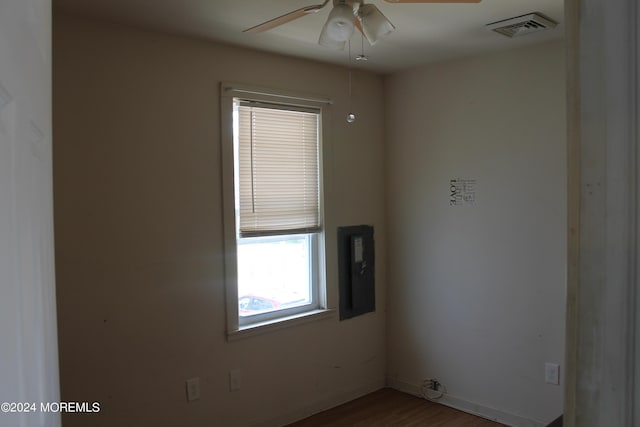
(321, 405)
(469, 407)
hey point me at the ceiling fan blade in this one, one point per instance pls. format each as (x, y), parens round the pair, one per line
(287, 17)
(433, 1)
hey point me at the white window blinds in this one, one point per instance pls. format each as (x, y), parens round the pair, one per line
(278, 170)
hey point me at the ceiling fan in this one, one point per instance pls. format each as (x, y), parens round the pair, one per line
(344, 17)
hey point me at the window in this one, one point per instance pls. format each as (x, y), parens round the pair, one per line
(274, 231)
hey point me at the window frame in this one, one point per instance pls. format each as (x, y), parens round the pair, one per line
(237, 328)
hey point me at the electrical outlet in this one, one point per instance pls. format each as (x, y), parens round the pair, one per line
(193, 389)
(235, 380)
(552, 373)
(431, 384)
(432, 389)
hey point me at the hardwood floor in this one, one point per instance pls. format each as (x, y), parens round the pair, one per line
(391, 408)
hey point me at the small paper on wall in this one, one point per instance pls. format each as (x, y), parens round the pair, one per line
(462, 191)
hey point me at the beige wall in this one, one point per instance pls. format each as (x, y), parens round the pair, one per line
(477, 293)
(138, 223)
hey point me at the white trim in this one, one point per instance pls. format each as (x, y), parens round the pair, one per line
(603, 333)
(228, 212)
(241, 90)
(278, 323)
(479, 410)
(234, 90)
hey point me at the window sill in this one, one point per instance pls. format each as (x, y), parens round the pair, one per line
(280, 323)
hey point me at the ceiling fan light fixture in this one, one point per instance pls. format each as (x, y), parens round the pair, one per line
(338, 28)
(327, 41)
(374, 24)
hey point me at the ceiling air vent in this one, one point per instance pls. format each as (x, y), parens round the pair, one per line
(521, 25)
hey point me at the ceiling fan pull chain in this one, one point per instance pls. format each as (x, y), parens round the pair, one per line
(351, 117)
(362, 56)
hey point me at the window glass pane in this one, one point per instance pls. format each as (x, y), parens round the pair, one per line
(274, 273)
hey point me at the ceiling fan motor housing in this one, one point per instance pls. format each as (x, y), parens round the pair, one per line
(354, 4)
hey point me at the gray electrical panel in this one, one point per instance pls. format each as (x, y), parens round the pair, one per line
(356, 265)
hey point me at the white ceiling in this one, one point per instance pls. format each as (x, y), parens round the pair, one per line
(424, 32)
